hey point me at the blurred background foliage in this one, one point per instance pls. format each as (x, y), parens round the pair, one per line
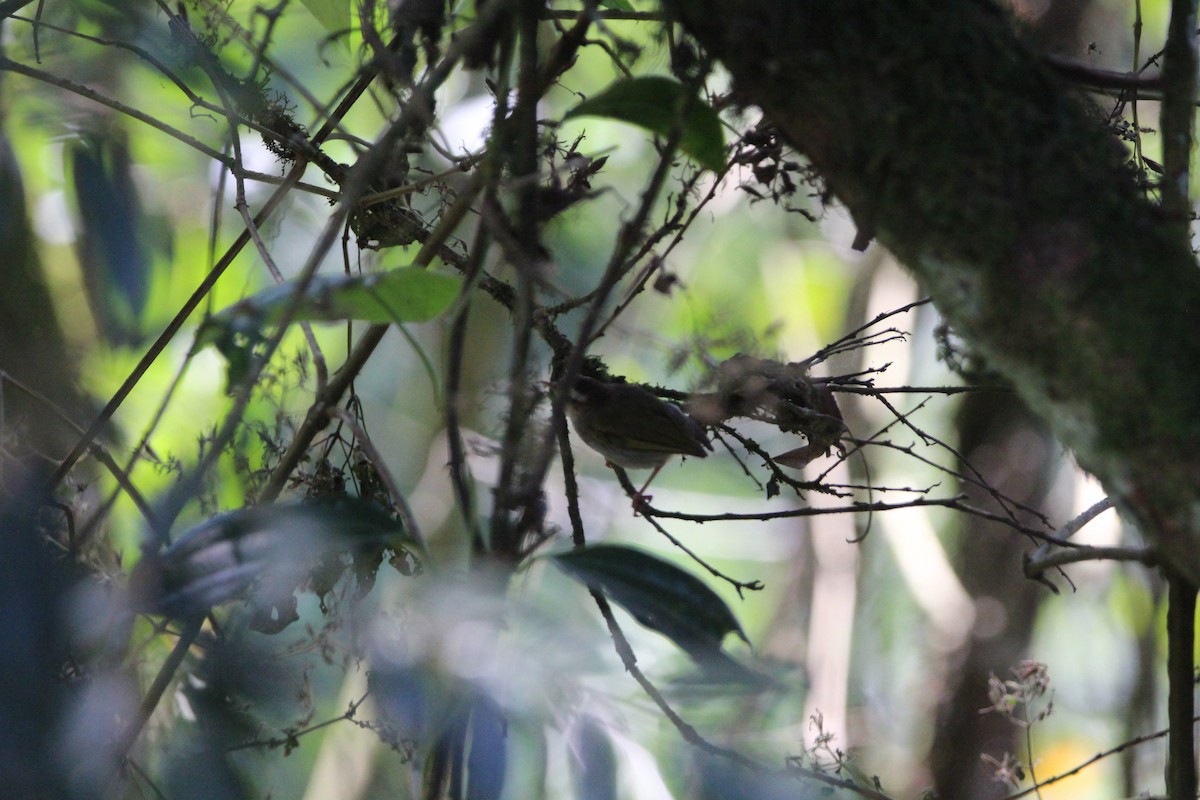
(879, 650)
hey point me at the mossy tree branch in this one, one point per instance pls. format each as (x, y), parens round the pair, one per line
(1000, 189)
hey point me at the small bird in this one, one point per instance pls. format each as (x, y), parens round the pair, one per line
(632, 428)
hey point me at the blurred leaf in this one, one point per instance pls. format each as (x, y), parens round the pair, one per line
(722, 675)
(113, 246)
(406, 294)
(33, 649)
(594, 766)
(488, 759)
(655, 103)
(199, 770)
(333, 14)
(658, 594)
(418, 702)
(276, 548)
(236, 684)
(462, 729)
(716, 779)
(619, 5)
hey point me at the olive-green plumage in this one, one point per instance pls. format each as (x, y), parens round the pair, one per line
(631, 427)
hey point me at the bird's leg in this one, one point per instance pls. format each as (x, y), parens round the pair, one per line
(641, 498)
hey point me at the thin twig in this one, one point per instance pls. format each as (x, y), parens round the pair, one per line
(385, 475)
(159, 687)
(348, 715)
(690, 734)
(98, 451)
(825, 351)
(173, 327)
(1094, 78)
(8, 65)
(229, 111)
(1044, 558)
(317, 416)
(1038, 563)
(978, 478)
(738, 586)
(874, 390)
(1074, 526)
(1112, 751)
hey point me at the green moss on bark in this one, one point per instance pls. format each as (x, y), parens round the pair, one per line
(997, 186)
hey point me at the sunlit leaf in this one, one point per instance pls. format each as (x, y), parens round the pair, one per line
(619, 5)
(655, 103)
(658, 594)
(333, 14)
(407, 294)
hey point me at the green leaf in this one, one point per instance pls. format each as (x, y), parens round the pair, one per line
(655, 103)
(658, 594)
(333, 14)
(407, 294)
(619, 5)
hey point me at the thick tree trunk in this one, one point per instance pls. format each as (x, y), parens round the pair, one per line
(944, 136)
(1018, 456)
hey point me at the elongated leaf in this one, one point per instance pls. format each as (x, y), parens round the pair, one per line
(620, 5)
(117, 244)
(655, 103)
(658, 594)
(407, 294)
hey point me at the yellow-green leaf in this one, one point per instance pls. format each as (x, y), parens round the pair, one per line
(333, 14)
(407, 294)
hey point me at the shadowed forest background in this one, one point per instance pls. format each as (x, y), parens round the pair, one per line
(295, 296)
